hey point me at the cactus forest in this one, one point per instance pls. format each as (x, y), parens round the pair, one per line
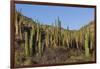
(36, 43)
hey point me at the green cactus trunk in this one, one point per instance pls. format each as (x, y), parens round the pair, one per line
(26, 44)
(31, 40)
(20, 22)
(47, 39)
(40, 45)
(87, 54)
(16, 23)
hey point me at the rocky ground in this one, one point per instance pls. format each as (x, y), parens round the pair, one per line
(58, 55)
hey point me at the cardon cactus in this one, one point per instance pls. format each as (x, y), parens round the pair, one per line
(26, 44)
(32, 33)
(87, 45)
(40, 45)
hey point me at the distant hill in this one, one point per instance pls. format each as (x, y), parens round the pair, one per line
(90, 27)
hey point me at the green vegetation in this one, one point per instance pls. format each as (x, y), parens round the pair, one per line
(34, 40)
(87, 45)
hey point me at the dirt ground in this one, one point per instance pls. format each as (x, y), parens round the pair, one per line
(58, 56)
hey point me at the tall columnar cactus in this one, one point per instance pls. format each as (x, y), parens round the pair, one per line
(40, 45)
(87, 54)
(76, 39)
(26, 44)
(47, 38)
(20, 24)
(32, 33)
(51, 39)
(67, 42)
(37, 38)
(54, 38)
(92, 40)
(16, 23)
(81, 38)
(70, 38)
(59, 31)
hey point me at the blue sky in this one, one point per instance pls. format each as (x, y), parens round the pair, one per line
(74, 17)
